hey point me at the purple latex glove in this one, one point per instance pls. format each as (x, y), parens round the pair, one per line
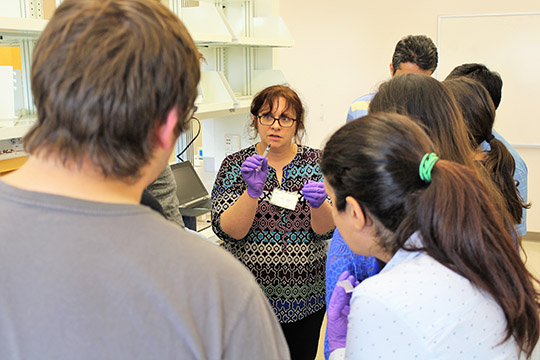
(338, 311)
(254, 171)
(314, 193)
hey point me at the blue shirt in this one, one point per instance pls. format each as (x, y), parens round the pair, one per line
(360, 107)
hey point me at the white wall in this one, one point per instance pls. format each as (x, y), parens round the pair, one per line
(213, 138)
(343, 49)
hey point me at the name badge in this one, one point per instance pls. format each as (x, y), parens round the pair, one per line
(284, 199)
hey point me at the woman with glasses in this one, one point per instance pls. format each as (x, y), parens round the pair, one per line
(270, 208)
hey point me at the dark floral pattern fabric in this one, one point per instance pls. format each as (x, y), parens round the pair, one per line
(281, 249)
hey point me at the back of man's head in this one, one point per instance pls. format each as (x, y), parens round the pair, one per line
(416, 49)
(105, 73)
(491, 80)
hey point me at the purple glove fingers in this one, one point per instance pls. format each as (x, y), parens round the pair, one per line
(338, 311)
(337, 302)
(314, 193)
(314, 187)
(343, 275)
(254, 171)
(264, 166)
(251, 163)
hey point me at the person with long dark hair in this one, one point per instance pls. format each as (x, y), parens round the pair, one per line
(493, 82)
(478, 112)
(453, 285)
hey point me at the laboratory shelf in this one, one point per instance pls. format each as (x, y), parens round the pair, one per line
(225, 2)
(209, 26)
(243, 102)
(264, 78)
(215, 93)
(268, 31)
(18, 28)
(206, 24)
(13, 132)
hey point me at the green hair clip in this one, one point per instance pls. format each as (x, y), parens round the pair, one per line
(427, 163)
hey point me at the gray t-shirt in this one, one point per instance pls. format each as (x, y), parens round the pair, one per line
(89, 280)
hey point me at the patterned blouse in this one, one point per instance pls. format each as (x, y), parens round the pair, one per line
(281, 249)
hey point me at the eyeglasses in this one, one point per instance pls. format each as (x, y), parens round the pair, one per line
(269, 120)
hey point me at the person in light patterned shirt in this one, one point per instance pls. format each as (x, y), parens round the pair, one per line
(453, 286)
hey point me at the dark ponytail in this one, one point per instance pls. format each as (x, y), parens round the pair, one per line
(464, 233)
(478, 112)
(376, 160)
(501, 166)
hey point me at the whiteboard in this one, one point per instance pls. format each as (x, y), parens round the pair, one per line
(510, 45)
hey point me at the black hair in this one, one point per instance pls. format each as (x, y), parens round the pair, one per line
(416, 49)
(491, 80)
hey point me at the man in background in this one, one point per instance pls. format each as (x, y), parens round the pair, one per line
(493, 82)
(87, 272)
(413, 54)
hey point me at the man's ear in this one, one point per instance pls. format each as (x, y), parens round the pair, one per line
(356, 212)
(391, 70)
(166, 131)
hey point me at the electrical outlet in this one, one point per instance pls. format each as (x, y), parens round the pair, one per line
(232, 142)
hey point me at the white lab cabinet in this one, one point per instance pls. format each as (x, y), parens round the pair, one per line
(238, 62)
(235, 37)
